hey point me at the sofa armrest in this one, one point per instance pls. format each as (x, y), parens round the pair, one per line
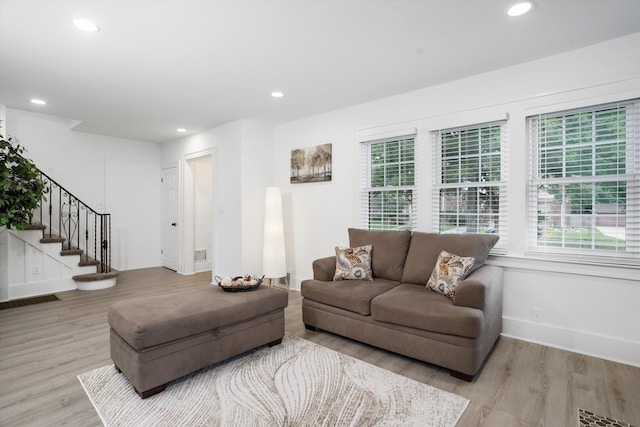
(482, 289)
(324, 269)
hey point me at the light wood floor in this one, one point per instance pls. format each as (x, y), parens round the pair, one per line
(43, 347)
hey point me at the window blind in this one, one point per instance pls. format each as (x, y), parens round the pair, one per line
(388, 184)
(584, 183)
(470, 181)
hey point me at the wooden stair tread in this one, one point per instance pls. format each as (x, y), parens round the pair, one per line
(36, 227)
(88, 262)
(67, 252)
(52, 240)
(92, 277)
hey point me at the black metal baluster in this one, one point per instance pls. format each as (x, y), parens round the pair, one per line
(86, 234)
(50, 208)
(102, 266)
(95, 236)
(77, 227)
(109, 244)
(69, 235)
(60, 212)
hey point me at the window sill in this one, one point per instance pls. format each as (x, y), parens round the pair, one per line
(625, 272)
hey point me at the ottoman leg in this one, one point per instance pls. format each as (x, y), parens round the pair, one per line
(151, 391)
(276, 342)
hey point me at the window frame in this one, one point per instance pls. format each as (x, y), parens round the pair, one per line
(630, 177)
(368, 188)
(438, 172)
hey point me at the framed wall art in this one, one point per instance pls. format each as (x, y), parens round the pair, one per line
(311, 164)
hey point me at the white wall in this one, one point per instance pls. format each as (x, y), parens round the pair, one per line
(257, 175)
(111, 175)
(586, 309)
(240, 176)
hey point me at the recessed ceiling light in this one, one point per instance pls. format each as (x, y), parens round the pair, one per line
(182, 130)
(520, 8)
(85, 25)
(38, 101)
(277, 94)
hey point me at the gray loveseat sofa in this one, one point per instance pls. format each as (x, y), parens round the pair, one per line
(397, 312)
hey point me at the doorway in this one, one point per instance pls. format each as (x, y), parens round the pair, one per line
(198, 213)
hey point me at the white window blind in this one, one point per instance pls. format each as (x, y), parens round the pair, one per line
(388, 184)
(584, 184)
(470, 181)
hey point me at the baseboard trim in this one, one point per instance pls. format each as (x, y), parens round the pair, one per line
(43, 287)
(582, 342)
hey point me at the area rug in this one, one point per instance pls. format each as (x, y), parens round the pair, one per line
(590, 419)
(296, 383)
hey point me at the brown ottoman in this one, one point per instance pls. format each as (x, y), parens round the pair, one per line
(159, 339)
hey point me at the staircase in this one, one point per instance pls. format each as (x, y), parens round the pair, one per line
(99, 279)
(66, 246)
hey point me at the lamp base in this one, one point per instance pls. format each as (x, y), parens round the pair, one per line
(270, 281)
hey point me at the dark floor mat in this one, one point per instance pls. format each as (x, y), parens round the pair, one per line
(27, 301)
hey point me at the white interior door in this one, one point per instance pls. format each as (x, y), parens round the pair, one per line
(170, 218)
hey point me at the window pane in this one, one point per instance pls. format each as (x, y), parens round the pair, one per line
(377, 154)
(470, 210)
(490, 168)
(610, 159)
(377, 176)
(578, 161)
(390, 209)
(392, 152)
(470, 170)
(551, 163)
(392, 177)
(407, 174)
(583, 216)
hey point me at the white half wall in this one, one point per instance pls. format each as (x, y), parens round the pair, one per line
(592, 313)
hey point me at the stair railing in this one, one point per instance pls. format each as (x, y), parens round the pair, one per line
(81, 227)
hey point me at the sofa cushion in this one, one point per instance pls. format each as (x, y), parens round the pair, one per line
(417, 307)
(389, 250)
(425, 248)
(449, 271)
(353, 263)
(352, 295)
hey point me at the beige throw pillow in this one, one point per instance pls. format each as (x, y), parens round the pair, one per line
(449, 271)
(353, 263)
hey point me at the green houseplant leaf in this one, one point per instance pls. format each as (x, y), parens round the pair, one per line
(21, 186)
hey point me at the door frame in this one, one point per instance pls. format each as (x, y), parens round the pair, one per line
(186, 263)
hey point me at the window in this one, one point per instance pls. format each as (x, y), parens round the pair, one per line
(584, 183)
(388, 193)
(469, 167)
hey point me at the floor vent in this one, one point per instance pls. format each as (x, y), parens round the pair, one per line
(200, 255)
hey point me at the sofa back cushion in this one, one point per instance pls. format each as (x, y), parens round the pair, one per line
(425, 248)
(388, 253)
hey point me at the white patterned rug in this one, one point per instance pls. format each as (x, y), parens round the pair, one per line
(296, 383)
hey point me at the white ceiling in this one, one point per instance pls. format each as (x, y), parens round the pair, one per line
(157, 65)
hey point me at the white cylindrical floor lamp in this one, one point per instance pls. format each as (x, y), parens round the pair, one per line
(274, 263)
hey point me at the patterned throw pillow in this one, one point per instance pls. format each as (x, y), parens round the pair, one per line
(449, 271)
(353, 263)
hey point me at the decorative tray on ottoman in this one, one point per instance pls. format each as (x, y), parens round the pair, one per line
(239, 283)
